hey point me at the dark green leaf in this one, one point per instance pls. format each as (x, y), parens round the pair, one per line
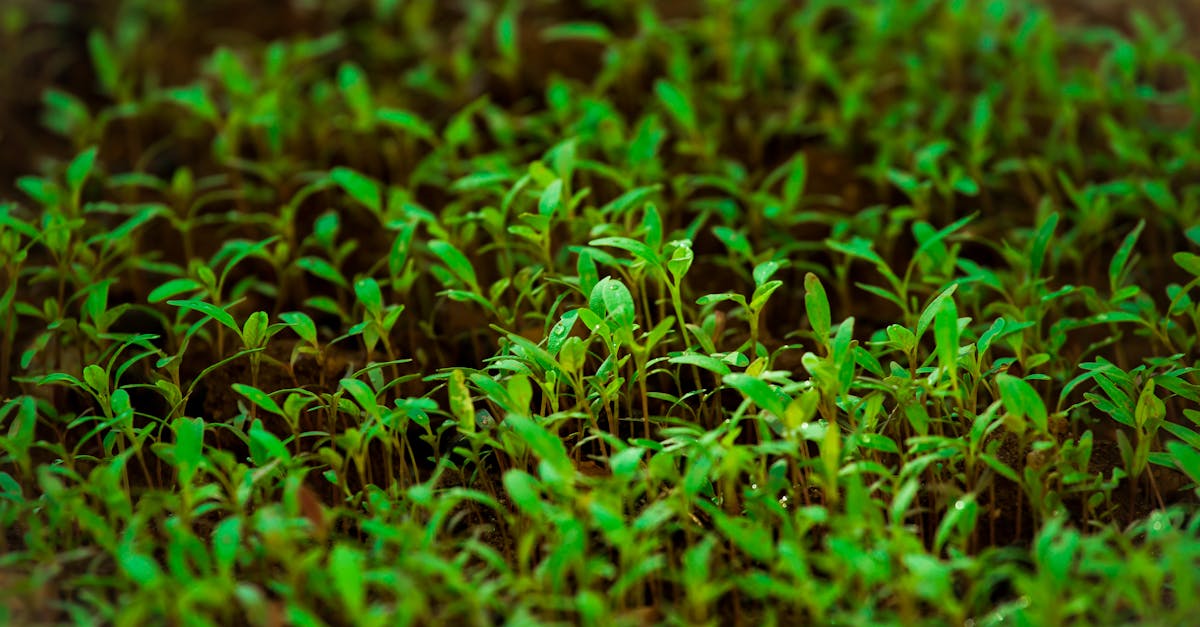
(543, 443)
(1022, 400)
(456, 261)
(258, 397)
(677, 104)
(360, 187)
(323, 269)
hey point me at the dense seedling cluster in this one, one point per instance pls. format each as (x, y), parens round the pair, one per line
(420, 312)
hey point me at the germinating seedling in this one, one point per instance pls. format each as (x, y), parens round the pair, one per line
(623, 315)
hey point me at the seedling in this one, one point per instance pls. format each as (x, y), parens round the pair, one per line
(873, 313)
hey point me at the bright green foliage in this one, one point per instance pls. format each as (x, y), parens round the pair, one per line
(621, 313)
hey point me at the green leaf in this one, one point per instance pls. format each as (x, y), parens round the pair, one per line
(763, 292)
(398, 255)
(362, 394)
(765, 270)
(618, 302)
(10, 221)
(589, 275)
(79, 169)
(506, 34)
(1023, 401)
(1001, 468)
(629, 200)
(104, 62)
(753, 539)
(586, 31)
(195, 99)
(120, 404)
(709, 299)
(96, 379)
(456, 261)
(879, 442)
(831, 454)
(323, 269)
(21, 432)
(258, 397)
(1186, 458)
(999, 328)
(347, 565)
(817, 305)
(625, 463)
(945, 335)
(232, 72)
(210, 310)
(360, 187)
(959, 520)
(793, 186)
(254, 331)
(572, 354)
(1117, 267)
(491, 389)
(126, 228)
(544, 444)
(368, 293)
(677, 104)
(862, 248)
(681, 260)
(935, 239)
(460, 401)
(903, 500)
(647, 140)
(531, 352)
(734, 240)
(352, 82)
(521, 392)
(652, 226)
(242, 250)
(406, 120)
(901, 337)
(1037, 249)
(480, 180)
(525, 492)
(758, 391)
(265, 447)
(551, 198)
(64, 113)
(227, 543)
(639, 249)
(1188, 261)
(932, 309)
(1150, 409)
(561, 331)
(140, 569)
(95, 306)
(189, 443)
(918, 417)
(302, 324)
